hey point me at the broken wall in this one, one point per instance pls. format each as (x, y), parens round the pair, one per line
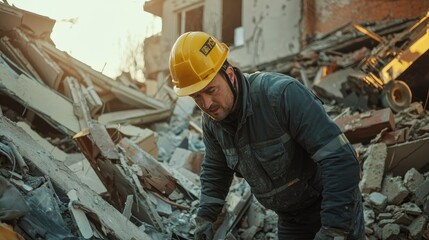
(271, 31)
(324, 16)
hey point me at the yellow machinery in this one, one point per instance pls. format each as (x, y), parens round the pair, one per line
(388, 66)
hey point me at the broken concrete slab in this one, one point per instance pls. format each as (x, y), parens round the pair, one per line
(12, 17)
(330, 86)
(413, 179)
(65, 180)
(145, 138)
(48, 69)
(109, 162)
(57, 153)
(79, 217)
(390, 231)
(183, 158)
(184, 107)
(394, 189)
(417, 227)
(373, 168)
(404, 156)
(80, 166)
(153, 172)
(422, 192)
(27, 91)
(135, 116)
(129, 95)
(364, 126)
(377, 200)
(18, 58)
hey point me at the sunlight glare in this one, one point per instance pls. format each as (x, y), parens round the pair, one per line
(96, 32)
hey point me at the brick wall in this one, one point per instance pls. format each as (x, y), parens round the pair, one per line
(322, 16)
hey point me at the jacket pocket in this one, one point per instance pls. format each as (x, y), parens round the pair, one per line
(231, 157)
(273, 159)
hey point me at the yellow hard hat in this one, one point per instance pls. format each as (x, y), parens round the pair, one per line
(195, 59)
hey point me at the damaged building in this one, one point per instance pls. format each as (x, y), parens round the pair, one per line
(85, 156)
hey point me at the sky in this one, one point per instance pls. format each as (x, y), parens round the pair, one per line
(97, 32)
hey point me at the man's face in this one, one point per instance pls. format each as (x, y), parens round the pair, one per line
(216, 99)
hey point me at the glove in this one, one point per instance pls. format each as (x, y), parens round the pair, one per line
(327, 233)
(204, 230)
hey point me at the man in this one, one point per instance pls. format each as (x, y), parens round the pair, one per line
(272, 131)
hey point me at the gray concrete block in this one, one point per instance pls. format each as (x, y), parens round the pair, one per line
(373, 168)
(411, 208)
(422, 192)
(390, 231)
(377, 200)
(413, 179)
(416, 227)
(394, 189)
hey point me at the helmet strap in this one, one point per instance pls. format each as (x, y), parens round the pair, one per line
(232, 86)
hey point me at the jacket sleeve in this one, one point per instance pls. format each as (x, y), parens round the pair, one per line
(215, 177)
(316, 132)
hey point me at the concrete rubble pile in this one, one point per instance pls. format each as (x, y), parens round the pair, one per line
(83, 156)
(393, 189)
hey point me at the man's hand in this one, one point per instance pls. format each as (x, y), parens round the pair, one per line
(204, 230)
(327, 233)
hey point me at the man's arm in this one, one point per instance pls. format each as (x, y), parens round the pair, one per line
(315, 131)
(215, 177)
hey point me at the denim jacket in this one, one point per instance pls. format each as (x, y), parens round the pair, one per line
(286, 147)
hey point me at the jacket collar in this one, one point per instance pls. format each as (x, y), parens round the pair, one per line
(244, 105)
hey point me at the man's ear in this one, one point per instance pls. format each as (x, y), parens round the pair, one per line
(231, 73)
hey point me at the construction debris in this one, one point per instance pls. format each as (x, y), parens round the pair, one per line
(83, 156)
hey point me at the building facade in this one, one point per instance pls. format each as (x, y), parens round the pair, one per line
(261, 32)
